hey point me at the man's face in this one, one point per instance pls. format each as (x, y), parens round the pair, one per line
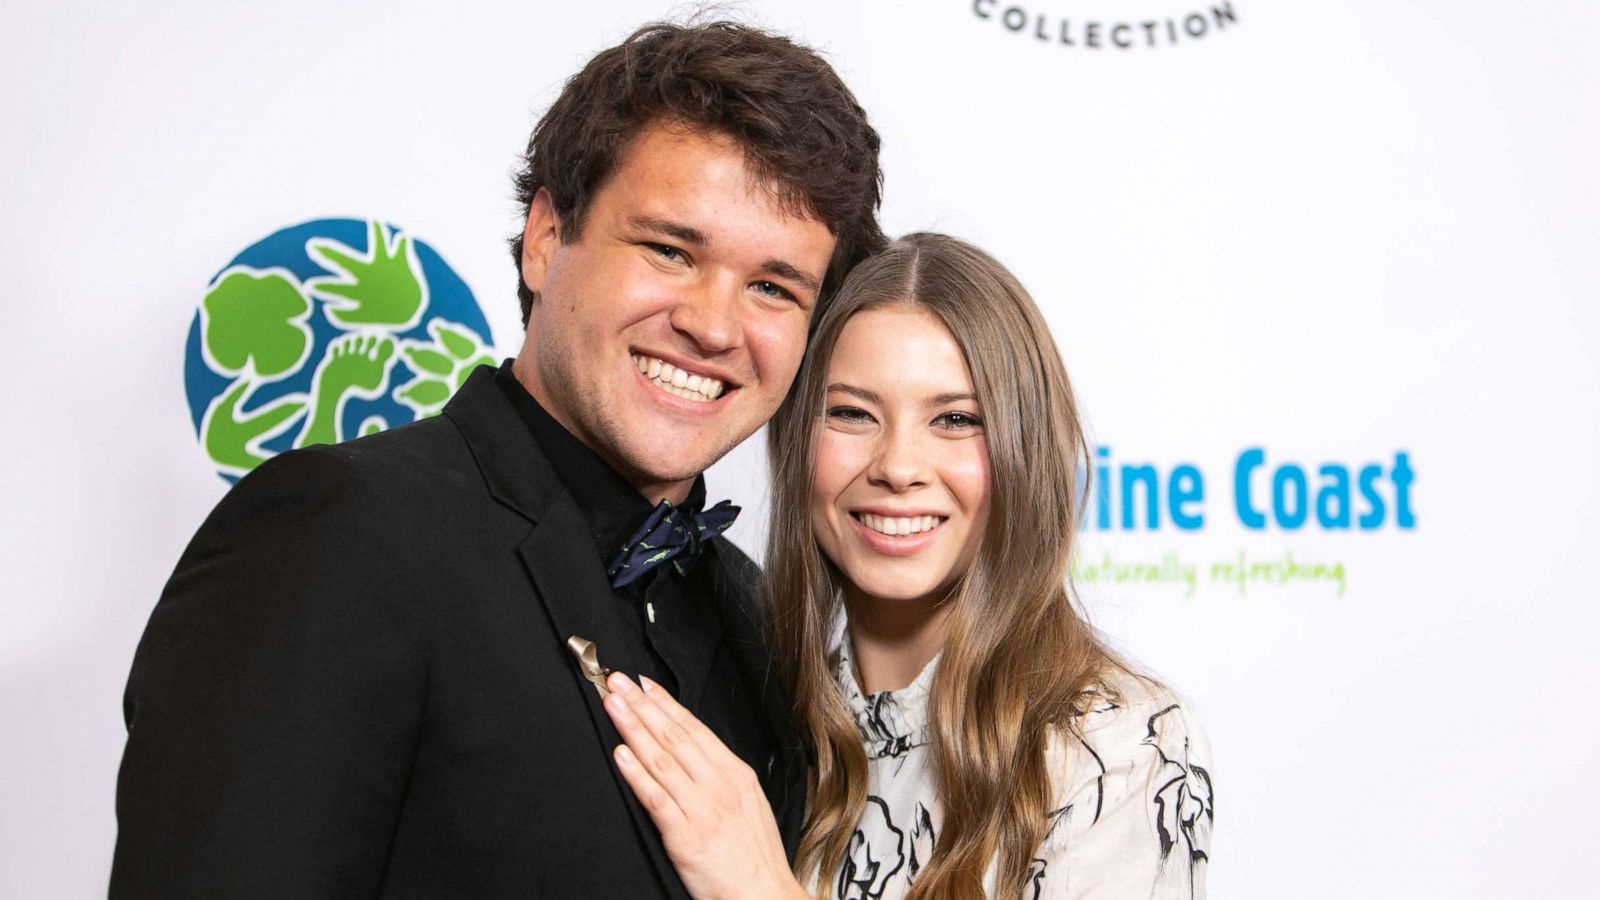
(671, 330)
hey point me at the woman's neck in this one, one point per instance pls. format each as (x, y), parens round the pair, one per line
(893, 640)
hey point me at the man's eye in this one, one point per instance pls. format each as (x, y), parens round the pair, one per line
(958, 421)
(670, 254)
(775, 291)
(850, 415)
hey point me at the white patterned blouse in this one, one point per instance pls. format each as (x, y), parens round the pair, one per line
(1132, 820)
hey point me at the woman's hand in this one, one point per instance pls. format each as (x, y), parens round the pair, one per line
(716, 825)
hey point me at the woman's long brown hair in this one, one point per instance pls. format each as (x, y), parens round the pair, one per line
(1018, 657)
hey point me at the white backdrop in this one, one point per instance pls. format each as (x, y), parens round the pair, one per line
(1334, 231)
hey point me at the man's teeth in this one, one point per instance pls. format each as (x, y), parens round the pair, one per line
(893, 525)
(675, 381)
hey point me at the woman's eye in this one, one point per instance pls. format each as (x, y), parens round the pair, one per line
(850, 415)
(958, 421)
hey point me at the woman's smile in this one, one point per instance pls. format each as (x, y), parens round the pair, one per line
(897, 535)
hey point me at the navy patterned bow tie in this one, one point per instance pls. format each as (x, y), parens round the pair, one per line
(669, 535)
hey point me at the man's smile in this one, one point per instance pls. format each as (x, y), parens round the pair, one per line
(678, 381)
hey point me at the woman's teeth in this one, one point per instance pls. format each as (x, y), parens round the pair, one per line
(675, 381)
(901, 525)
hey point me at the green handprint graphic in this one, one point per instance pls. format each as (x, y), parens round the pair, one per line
(441, 367)
(234, 443)
(356, 365)
(262, 376)
(380, 287)
(255, 315)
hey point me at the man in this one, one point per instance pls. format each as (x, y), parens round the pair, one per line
(372, 673)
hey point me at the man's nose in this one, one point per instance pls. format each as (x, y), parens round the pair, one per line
(708, 314)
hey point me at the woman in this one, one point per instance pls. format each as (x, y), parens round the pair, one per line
(970, 734)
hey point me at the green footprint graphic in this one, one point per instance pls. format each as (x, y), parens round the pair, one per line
(232, 442)
(356, 365)
(441, 366)
(380, 287)
(258, 319)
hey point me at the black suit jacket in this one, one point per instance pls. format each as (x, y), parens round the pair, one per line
(356, 684)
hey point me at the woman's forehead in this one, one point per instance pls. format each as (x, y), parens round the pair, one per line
(903, 351)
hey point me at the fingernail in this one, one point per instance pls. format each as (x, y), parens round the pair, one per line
(617, 706)
(619, 683)
(647, 683)
(624, 755)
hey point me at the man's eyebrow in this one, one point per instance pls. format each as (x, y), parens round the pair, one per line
(784, 270)
(853, 391)
(686, 233)
(691, 235)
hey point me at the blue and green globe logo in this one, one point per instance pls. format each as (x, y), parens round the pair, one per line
(322, 332)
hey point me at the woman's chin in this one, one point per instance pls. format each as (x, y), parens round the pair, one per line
(893, 587)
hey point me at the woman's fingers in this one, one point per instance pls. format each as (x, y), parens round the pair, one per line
(663, 747)
(710, 745)
(652, 796)
(715, 821)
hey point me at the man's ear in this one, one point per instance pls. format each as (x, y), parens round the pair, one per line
(540, 237)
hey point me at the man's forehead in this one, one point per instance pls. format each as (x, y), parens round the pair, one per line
(678, 159)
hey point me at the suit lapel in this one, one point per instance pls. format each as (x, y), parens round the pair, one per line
(575, 593)
(561, 562)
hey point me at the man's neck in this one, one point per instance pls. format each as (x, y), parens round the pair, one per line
(653, 491)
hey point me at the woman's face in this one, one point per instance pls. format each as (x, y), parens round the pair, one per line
(900, 497)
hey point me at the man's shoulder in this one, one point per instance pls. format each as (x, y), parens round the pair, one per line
(422, 449)
(393, 463)
(368, 489)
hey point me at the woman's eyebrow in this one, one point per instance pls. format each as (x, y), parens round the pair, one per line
(853, 391)
(871, 397)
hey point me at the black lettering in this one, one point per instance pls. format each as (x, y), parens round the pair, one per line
(1066, 32)
(1015, 19)
(1149, 32)
(1172, 33)
(1225, 11)
(978, 5)
(1119, 35)
(1091, 35)
(1038, 28)
(1193, 20)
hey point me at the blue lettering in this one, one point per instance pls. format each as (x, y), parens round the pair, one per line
(1402, 491)
(1369, 492)
(1185, 487)
(1291, 476)
(1248, 516)
(1102, 494)
(1333, 497)
(1131, 477)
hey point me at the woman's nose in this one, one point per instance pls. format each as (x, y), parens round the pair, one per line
(900, 463)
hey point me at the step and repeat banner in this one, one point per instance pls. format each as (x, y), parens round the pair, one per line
(1324, 275)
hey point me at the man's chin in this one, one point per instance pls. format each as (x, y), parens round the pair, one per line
(658, 468)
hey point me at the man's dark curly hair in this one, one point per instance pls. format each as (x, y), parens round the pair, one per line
(804, 135)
